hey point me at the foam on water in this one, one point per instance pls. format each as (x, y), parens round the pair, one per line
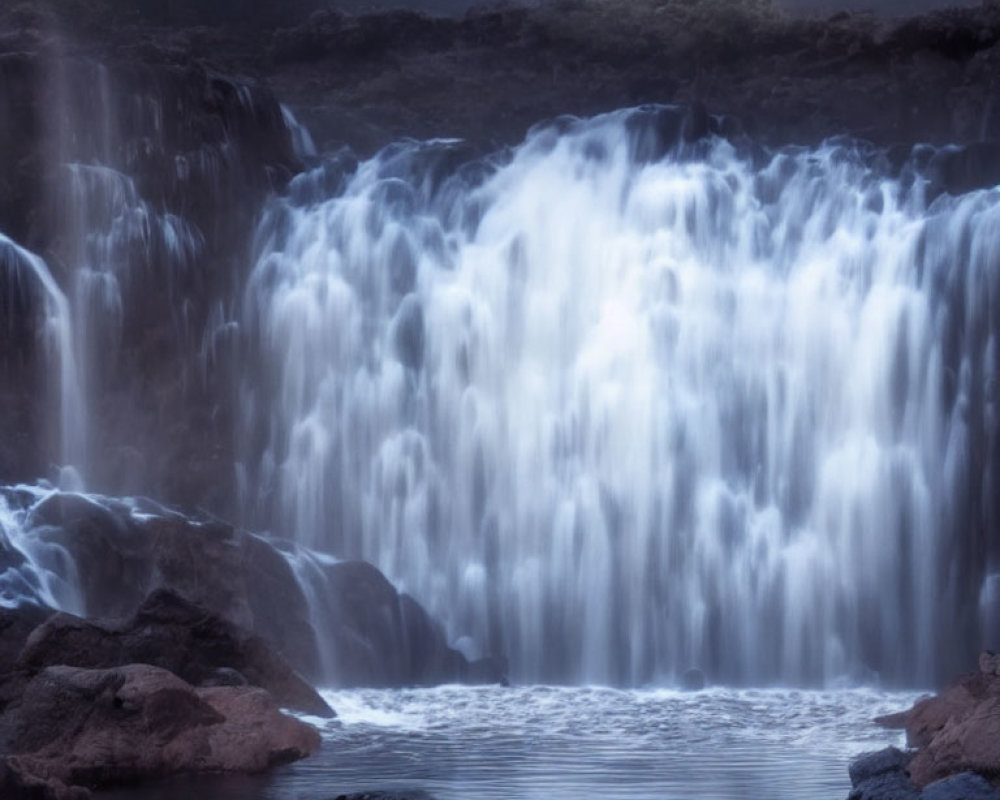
(565, 743)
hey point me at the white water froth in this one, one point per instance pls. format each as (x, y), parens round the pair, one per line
(615, 419)
(561, 743)
(34, 569)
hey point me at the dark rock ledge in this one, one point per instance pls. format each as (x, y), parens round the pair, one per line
(954, 745)
(173, 689)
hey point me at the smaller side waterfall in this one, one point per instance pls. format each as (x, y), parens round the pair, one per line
(144, 186)
(32, 293)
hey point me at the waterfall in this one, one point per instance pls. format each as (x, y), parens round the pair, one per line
(618, 409)
(24, 277)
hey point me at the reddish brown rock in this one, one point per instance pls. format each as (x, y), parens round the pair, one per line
(175, 634)
(80, 727)
(930, 715)
(965, 743)
(956, 731)
(895, 722)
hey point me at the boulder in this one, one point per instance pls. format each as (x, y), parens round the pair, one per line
(355, 629)
(384, 638)
(83, 727)
(175, 634)
(930, 715)
(121, 557)
(887, 786)
(870, 765)
(968, 742)
(989, 663)
(882, 776)
(964, 786)
(16, 624)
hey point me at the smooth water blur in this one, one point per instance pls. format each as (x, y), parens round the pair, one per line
(26, 274)
(460, 743)
(615, 409)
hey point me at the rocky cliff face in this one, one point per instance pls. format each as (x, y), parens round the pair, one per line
(136, 174)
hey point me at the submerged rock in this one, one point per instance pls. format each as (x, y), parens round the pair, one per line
(174, 634)
(693, 680)
(84, 727)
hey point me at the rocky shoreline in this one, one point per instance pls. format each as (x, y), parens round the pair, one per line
(954, 745)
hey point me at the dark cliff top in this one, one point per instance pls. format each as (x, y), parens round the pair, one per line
(488, 76)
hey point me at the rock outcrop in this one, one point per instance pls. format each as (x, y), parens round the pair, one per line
(340, 623)
(16, 625)
(78, 727)
(385, 638)
(956, 736)
(176, 635)
(884, 775)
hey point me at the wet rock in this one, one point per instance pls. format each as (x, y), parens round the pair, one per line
(956, 170)
(957, 733)
(964, 786)
(989, 663)
(871, 765)
(886, 786)
(895, 721)
(201, 148)
(693, 680)
(17, 783)
(224, 676)
(930, 715)
(882, 776)
(383, 638)
(967, 742)
(82, 727)
(172, 633)
(121, 558)
(16, 624)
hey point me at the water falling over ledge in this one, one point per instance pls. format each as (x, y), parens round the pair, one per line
(616, 408)
(30, 291)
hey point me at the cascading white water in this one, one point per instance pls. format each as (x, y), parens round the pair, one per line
(20, 266)
(615, 418)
